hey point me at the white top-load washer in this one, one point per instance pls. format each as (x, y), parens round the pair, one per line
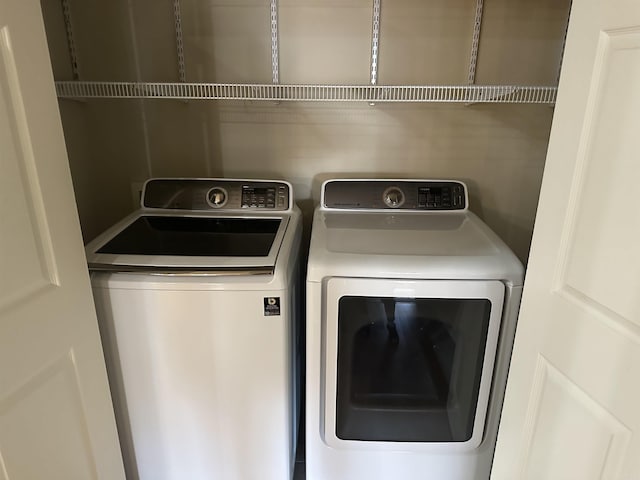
(411, 310)
(197, 298)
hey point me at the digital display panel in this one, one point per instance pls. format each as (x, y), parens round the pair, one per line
(257, 191)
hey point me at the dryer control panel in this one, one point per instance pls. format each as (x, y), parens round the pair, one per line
(217, 194)
(413, 195)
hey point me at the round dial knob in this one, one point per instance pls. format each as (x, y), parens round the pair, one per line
(393, 197)
(217, 197)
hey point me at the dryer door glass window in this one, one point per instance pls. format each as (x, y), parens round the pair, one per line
(409, 369)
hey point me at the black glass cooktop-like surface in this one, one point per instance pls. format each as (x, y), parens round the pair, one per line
(195, 236)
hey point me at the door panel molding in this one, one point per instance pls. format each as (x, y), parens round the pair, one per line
(598, 236)
(22, 414)
(36, 264)
(608, 317)
(577, 421)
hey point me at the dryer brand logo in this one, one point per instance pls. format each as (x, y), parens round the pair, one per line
(271, 306)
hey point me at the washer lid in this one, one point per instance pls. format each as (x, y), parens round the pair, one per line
(162, 241)
(195, 236)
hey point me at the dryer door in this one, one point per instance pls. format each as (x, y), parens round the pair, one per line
(409, 363)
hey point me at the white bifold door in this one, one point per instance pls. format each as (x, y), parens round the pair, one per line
(56, 417)
(572, 405)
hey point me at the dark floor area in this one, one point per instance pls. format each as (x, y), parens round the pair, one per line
(299, 471)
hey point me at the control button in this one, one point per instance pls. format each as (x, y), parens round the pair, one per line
(217, 197)
(393, 197)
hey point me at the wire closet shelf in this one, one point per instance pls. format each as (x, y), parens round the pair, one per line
(312, 93)
(276, 92)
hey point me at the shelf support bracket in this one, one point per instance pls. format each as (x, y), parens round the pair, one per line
(275, 56)
(177, 17)
(375, 41)
(475, 43)
(71, 44)
(564, 43)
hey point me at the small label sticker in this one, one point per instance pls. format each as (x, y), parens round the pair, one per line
(271, 306)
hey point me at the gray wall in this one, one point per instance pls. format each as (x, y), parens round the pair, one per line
(499, 150)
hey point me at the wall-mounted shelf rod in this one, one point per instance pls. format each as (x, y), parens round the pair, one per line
(311, 93)
(475, 42)
(564, 42)
(275, 55)
(375, 41)
(71, 44)
(177, 17)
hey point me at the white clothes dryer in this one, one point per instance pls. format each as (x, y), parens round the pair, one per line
(197, 298)
(411, 311)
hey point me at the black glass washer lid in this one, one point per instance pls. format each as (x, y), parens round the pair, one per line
(195, 236)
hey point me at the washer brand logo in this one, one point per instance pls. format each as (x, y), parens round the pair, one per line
(271, 306)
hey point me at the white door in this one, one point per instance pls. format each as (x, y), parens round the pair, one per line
(56, 417)
(572, 407)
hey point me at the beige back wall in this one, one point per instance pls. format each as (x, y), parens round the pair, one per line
(498, 150)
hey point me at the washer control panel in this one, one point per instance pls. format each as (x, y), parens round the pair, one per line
(217, 194)
(431, 195)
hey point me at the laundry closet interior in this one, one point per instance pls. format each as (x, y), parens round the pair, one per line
(114, 144)
(307, 90)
